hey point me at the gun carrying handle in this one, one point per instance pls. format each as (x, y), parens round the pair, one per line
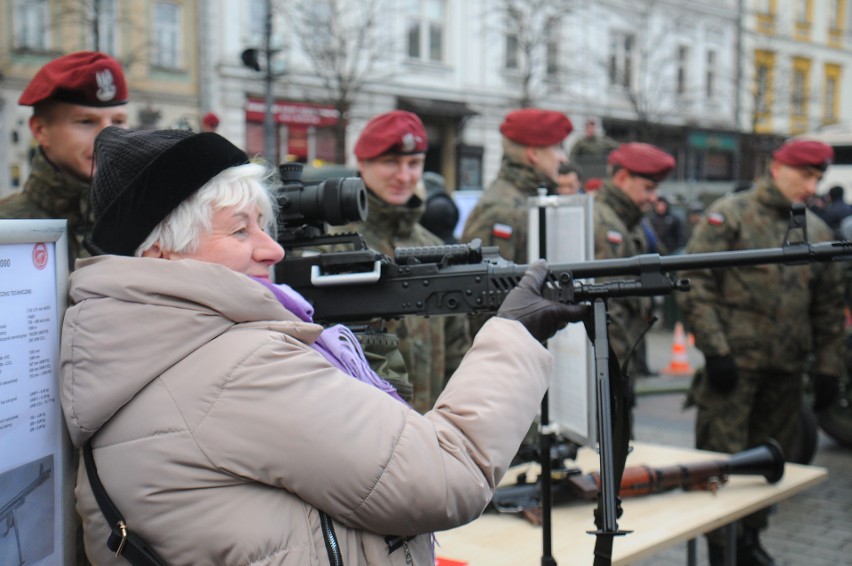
(364, 277)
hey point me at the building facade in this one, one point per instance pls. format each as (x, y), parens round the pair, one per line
(154, 40)
(716, 83)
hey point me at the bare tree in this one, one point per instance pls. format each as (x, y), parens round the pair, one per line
(642, 67)
(530, 29)
(96, 20)
(345, 46)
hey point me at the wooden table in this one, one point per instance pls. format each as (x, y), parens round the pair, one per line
(658, 521)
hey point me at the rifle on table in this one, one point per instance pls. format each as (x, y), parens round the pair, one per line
(571, 485)
(359, 285)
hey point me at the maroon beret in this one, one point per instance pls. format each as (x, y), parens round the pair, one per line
(87, 78)
(805, 153)
(593, 184)
(398, 132)
(643, 159)
(536, 127)
(210, 120)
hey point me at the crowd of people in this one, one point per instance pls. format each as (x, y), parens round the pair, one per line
(260, 437)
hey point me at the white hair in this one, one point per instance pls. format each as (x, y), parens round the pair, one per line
(240, 187)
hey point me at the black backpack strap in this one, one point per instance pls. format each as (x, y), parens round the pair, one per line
(121, 540)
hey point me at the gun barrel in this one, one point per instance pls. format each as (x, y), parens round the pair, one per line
(637, 265)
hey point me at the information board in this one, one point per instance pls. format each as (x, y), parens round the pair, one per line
(569, 229)
(36, 483)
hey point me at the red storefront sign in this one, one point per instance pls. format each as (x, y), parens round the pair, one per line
(292, 113)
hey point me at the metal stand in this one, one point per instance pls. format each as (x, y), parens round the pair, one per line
(607, 512)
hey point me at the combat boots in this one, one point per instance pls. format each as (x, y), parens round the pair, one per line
(749, 551)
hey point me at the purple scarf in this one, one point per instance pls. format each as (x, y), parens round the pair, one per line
(337, 344)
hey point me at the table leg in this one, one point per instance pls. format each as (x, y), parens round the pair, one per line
(691, 554)
(731, 544)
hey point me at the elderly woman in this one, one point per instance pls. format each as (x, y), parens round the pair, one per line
(229, 429)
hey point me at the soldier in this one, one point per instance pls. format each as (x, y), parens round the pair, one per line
(592, 144)
(757, 326)
(73, 98)
(391, 152)
(635, 171)
(570, 180)
(532, 153)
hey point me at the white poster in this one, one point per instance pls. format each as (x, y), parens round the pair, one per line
(31, 426)
(572, 394)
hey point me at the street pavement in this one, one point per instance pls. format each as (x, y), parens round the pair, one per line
(813, 528)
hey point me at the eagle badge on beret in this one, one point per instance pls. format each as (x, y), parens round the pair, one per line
(409, 142)
(106, 85)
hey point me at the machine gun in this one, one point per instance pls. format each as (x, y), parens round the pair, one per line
(352, 284)
(571, 485)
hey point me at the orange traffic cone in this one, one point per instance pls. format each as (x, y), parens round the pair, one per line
(679, 364)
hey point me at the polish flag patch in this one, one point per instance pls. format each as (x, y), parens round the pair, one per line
(614, 237)
(715, 219)
(503, 231)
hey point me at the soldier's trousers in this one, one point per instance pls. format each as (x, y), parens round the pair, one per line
(764, 404)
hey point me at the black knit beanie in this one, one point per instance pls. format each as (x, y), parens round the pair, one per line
(143, 175)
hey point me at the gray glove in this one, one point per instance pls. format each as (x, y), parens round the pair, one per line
(542, 317)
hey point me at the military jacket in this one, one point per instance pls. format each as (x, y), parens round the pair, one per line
(433, 347)
(767, 316)
(598, 145)
(619, 234)
(500, 216)
(49, 193)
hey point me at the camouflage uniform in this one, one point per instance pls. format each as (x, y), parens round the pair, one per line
(431, 347)
(768, 317)
(591, 147)
(49, 193)
(619, 234)
(500, 217)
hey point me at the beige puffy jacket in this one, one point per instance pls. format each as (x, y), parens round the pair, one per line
(219, 432)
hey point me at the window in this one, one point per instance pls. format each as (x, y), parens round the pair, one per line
(763, 90)
(682, 65)
(106, 27)
(766, 10)
(167, 36)
(512, 48)
(804, 15)
(32, 24)
(836, 16)
(799, 99)
(800, 95)
(802, 9)
(832, 95)
(834, 19)
(256, 24)
(710, 78)
(622, 46)
(425, 31)
(552, 57)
